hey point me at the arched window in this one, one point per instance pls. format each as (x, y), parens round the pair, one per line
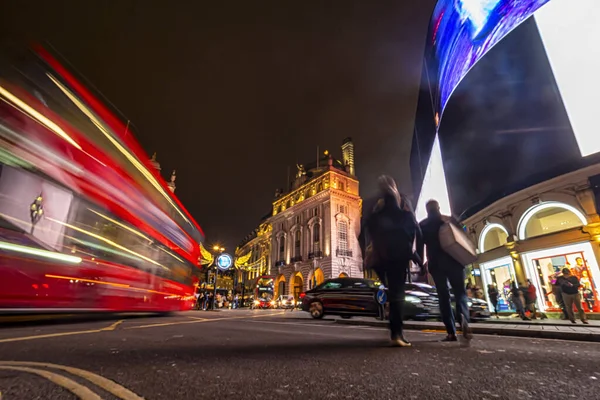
(492, 237)
(549, 217)
(297, 242)
(317, 234)
(281, 248)
(342, 239)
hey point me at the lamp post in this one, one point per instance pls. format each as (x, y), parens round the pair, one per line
(220, 251)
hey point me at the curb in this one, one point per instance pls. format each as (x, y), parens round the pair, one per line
(485, 330)
(548, 322)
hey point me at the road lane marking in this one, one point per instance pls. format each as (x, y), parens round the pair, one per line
(198, 318)
(203, 320)
(113, 326)
(78, 390)
(100, 381)
(51, 335)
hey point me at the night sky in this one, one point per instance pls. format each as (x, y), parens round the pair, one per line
(231, 93)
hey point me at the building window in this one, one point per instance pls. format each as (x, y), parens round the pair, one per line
(342, 239)
(492, 237)
(297, 241)
(549, 217)
(341, 185)
(297, 219)
(317, 233)
(281, 248)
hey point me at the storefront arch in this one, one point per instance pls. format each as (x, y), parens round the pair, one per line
(297, 285)
(280, 285)
(549, 217)
(316, 278)
(492, 236)
(343, 275)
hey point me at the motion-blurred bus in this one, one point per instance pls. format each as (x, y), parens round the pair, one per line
(86, 222)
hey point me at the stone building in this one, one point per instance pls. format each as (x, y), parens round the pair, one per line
(311, 233)
(536, 232)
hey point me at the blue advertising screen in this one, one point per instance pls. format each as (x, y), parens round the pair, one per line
(461, 32)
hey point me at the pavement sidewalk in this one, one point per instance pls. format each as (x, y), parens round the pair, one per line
(557, 330)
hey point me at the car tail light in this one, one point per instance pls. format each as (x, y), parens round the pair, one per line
(302, 295)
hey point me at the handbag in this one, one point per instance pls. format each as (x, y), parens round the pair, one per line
(456, 243)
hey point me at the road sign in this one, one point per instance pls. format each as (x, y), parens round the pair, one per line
(224, 262)
(381, 297)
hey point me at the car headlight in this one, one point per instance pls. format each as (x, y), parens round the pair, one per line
(257, 302)
(272, 303)
(412, 299)
(470, 303)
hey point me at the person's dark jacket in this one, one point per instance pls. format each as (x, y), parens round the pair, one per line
(569, 284)
(437, 258)
(391, 231)
(493, 295)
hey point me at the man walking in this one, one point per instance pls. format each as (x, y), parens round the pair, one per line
(391, 230)
(569, 284)
(444, 270)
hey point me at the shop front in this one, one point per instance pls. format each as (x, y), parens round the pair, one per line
(500, 273)
(544, 266)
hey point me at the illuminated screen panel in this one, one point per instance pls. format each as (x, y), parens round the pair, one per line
(463, 31)
(571, 36)
(434, 184)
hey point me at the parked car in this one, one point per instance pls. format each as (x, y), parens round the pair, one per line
(348, 297)
(478, 308)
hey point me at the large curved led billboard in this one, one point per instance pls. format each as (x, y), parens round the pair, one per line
(516, 84)
(461, 32)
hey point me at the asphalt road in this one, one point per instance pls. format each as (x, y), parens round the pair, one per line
(268, 355)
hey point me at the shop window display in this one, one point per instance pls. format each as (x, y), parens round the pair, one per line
(501, 277)
(549, 268)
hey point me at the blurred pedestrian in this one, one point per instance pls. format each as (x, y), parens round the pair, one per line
(390, 230)
(515, 295)
(493, 296)
(531, 299)
(557, 292)
(444, 270)
(570, 292)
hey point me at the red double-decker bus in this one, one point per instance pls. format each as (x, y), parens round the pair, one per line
(86, 222)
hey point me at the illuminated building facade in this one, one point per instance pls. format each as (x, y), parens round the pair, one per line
(313, 227)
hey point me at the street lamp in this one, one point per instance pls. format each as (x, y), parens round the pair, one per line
(220, 250)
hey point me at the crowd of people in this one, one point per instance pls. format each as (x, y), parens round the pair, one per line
(206, 300)
(566, 289)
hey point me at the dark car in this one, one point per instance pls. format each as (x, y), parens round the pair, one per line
(348, 297)
(478, 309)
